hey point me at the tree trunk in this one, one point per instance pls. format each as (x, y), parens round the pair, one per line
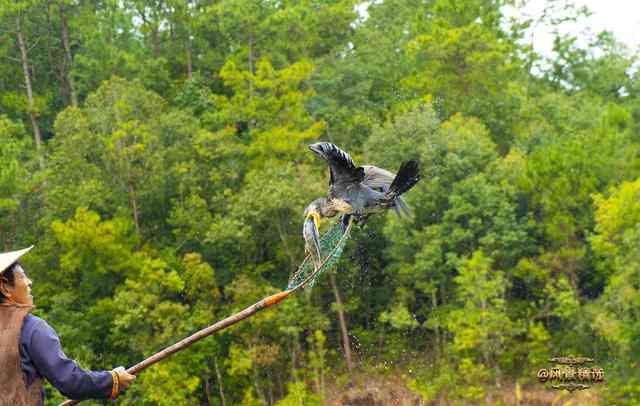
(293, 356)
(189, 61)
(270, 380)
(219, 377)
(134, 207)
(256, 383)
(56, 68)
(346, 346)
(155, 39)
(316, 368)
(446, 335)
(434, 304)
(153, 28)
(251, 53)
(27, 81)
(68, 62)
(188, 42)
(484, 345)
(207, 389)
(322, 386)
(252, 122)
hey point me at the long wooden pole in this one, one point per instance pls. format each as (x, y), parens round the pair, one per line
(205, 332)
(159, 356)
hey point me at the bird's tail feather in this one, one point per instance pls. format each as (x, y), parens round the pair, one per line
(407, 177)
(403, 208)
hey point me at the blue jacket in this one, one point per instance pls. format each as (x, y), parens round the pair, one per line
(41, 355)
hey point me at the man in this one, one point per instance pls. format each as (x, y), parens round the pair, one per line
(30, 349)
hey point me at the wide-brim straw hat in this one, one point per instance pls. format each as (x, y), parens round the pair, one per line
(9, 258)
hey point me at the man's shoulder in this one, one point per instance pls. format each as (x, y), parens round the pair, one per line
(32, 323)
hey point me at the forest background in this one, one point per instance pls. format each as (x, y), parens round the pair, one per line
(155, 153)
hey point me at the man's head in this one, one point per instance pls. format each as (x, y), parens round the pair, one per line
(15, 286)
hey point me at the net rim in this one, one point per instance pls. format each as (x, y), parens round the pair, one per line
(324, 262)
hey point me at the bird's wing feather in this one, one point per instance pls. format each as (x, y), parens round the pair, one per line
(341, 165)
(375, 177)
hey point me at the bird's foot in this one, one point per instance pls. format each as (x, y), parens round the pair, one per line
(344, 222)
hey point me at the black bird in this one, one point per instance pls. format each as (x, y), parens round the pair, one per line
(356, 190)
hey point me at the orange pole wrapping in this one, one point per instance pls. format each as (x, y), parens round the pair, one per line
(277, 298)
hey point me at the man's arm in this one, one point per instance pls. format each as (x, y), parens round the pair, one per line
(64, 374)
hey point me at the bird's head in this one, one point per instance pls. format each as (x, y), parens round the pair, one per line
(314, 211)
(319, 147)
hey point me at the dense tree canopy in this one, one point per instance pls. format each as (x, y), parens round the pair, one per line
(155, 153)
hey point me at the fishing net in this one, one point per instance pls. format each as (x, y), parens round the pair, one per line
(331, 246)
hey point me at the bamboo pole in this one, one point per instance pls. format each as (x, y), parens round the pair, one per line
(233, 319)
(159, 356)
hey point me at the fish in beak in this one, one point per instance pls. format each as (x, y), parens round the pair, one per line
(312, 237)
(310, 229)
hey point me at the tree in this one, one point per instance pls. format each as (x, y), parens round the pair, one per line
(15, 179)
(15, 11)
(467, 64)
(481, 326)
(122, 131)
(615, 313)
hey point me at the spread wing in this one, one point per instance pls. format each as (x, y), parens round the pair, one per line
(381, 179)
(343, 169)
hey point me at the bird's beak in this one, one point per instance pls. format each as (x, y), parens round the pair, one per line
(310, 231)
(316, 218)
(316, 148)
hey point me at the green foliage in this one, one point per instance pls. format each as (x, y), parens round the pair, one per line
(481, 326)
(270, 103)
(175, 171)
(183, 384)
(462, 62)
(399, 318)
(615, 241)
(89, 244)
(15, 177)
(298, 394)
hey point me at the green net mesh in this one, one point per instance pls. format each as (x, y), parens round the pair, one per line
(331, 247)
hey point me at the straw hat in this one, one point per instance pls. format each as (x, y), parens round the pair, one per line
(9, 258)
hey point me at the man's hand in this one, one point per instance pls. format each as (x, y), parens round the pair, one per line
(124, 378)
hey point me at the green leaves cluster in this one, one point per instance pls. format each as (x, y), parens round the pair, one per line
(167, 183)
